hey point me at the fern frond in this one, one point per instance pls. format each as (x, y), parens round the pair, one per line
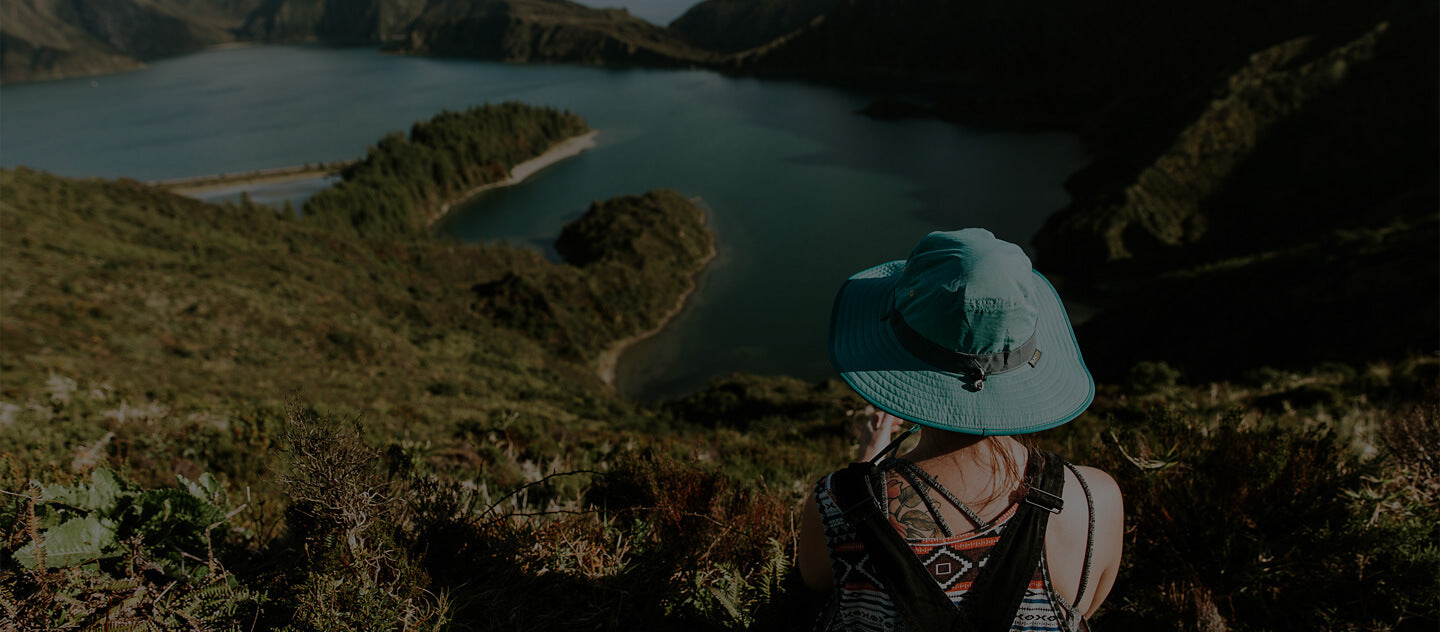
(772, 574)
(75, 541)
(7, 601)
(123, 625)
(729, 599)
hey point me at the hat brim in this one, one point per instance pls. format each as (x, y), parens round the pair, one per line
(864, 349)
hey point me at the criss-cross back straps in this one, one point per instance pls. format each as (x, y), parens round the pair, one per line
(920, 479)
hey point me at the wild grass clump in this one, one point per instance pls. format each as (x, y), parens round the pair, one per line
(696, 517)
(1257, 527)
(343, 525)
(653, 543)
(1411, 440)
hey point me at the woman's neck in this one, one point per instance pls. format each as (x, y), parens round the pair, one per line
(985, 467)
(936, 443)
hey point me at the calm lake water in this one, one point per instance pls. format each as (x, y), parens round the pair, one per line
(801, 191)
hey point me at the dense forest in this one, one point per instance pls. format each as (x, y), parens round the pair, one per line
(402, 183)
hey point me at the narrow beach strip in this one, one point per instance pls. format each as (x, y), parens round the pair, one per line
(567, 148)
(609, 359)
(206, 184)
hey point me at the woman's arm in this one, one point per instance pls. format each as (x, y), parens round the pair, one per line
(812, 556)
(877, 433)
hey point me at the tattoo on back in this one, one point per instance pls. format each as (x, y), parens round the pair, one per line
(905, 505)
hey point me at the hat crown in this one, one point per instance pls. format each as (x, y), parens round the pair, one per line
(968, 291)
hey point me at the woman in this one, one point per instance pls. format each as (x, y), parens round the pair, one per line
(967, 341)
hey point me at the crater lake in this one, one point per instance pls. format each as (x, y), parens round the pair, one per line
(801, 190)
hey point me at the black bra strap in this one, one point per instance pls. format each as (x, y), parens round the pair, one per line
(1089, 534)
(930, 505)
(930, 481)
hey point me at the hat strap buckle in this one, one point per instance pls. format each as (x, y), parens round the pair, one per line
(976, 367)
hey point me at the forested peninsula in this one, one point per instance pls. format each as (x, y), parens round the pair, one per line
(404, 182)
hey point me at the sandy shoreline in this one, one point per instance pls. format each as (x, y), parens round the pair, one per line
(567, 148)
(219, 181)
(239, 181)
(610, 358)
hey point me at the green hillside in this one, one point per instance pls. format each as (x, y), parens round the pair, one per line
(41, 39)
(530, 31)
(231, 417)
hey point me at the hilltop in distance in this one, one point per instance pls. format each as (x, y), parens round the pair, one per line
(47, 40)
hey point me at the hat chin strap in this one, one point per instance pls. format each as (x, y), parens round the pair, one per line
(975, 366)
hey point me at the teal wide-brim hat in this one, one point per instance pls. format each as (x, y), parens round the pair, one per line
(963, 336)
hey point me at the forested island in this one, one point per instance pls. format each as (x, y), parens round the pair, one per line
(228, 417)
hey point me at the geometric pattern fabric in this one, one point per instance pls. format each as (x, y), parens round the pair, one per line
(863, 605)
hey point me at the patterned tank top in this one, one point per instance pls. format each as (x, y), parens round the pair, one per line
(863, 605)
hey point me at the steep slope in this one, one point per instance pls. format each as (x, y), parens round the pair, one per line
(1162, 207)
(1076, 65)
(731, 26)
(1297, 218)
(543, 31)
(49, 39)
(341, 21)
(36, 43)
(155, 335)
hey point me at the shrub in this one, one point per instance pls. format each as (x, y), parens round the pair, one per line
(110, 552)
(351, 573)
(1264, 529)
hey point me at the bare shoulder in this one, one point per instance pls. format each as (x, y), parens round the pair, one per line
(1104, 491)
(1107, 507)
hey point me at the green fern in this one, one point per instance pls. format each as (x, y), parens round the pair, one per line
(772, 573)
(74, 542)
(85, 522)
(123, 625)
(102, 494)
(729, 595)
(220, 599)
(8, 603)
(206, 488)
